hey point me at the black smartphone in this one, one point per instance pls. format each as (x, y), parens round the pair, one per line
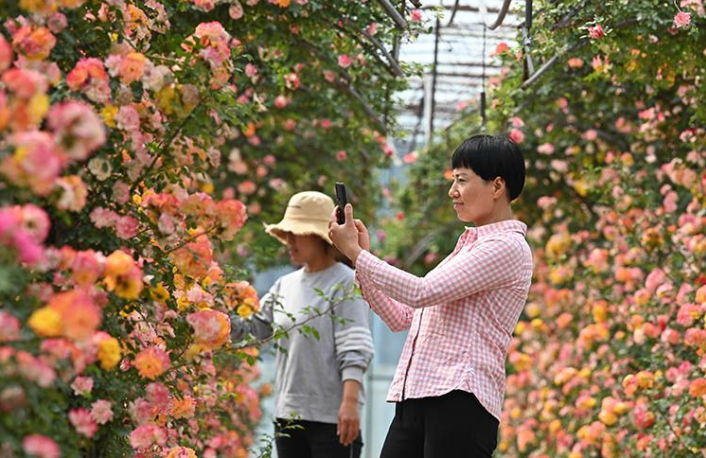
(341, 201)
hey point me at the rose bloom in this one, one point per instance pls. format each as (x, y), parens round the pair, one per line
(82, 386)
(73, 195)
(415, 16)
(127, 227)
(83, 422)
(9, 327)
(36, 163)
(158, 395)
(231, 215)
(86, 268)
(682, 19)
(35, 369)
(281, 101)
(34, 43)
(181, 452)
(344, 60)
(292, 81)
(144, 436)
(118, 263)
(211, 328)
(152, 362)
(6, 56)
(132, 67)
(79, 130)
(80, 317)
(101, 411)
(195, 258)
(517, 136)
(575, 62)
(45, 322)
(86, 70)
(596, 32)
(41, 446)
(183, 408)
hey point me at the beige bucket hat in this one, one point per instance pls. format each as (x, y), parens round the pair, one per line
(307, 213)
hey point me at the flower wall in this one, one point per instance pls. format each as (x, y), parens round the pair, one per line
(142, 144)
(608, 358)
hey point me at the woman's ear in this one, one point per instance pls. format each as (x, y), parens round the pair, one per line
(498, 186)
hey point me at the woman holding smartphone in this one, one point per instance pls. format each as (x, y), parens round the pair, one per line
(450, 381)
(318, 381)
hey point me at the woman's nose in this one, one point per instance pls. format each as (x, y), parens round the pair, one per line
(452, 191)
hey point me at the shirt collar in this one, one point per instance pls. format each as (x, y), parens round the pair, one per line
(509, 225)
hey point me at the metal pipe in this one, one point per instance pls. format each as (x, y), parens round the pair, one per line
(433, 80)
(400, 22)
(501, 16)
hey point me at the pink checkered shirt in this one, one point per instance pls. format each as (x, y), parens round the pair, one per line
(460, 316)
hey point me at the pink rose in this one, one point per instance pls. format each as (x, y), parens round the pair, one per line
(9, 327)
(57, 22)
(101, 411)
(546, 148)
(292, 81)
(575, 62)
(5, 54)
(250, 70)
(501, 48)
(236, 11)
(517, 136)
(415, 16)
(596, 32)
(82, 386)
(83, 422)
(682, 19)
(126, 228)
(281, 101)
(344, 60)
(144, 436)
(41, 446)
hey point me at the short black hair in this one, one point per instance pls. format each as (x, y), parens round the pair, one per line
(491, 156)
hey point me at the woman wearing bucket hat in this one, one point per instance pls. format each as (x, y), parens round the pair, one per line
(317, 381)
(450, 380)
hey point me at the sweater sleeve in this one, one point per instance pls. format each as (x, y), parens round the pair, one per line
(260, 324)
(397, 316)
(352, 337)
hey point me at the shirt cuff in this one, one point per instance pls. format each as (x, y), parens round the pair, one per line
(353, 373)
(365, 263)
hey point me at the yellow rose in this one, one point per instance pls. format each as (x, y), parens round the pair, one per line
(109, 353)
(45, 322)
(108, 113)
(118, 263)
(159, 293)
(244, 311)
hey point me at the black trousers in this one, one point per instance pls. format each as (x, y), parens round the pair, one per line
(312, 439)
(454, 425)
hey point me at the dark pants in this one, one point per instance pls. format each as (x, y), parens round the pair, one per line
(454, 425)
(311, 439)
